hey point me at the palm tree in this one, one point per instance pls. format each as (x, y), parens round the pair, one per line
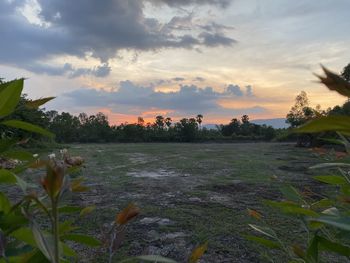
(168, 121)
(160, 121)
(199, 119)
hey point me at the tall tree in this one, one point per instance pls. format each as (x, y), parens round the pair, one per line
(301, 111)
(160, 121)
(168, 122)
(199, 119)
(245, 119)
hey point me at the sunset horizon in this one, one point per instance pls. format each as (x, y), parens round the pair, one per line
(221, 59)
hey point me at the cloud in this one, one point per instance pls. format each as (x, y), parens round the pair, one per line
(220, 3)
(200, 79)
(84, 28)
(249, 91)
(189, 99)
(235, 90)
(216, 39)
(68, 69)
(178, 79)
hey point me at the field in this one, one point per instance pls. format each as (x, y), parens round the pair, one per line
(190, 193)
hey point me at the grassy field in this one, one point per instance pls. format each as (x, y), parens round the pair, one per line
(190, 193)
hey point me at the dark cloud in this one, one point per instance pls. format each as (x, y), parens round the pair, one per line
(216, 39)
(220, 3)
(178, 79)
(67, 69)
(235, 90)
(189, 99)
(215, 27)
(238, 91)
(200, 79)
(82, 27)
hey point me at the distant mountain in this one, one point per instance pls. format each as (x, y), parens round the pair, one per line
(210, 126)
(277, 123)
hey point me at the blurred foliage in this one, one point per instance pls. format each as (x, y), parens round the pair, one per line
(324, 217)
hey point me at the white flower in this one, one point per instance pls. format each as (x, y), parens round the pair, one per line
(52, 156)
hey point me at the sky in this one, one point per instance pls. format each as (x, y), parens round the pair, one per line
(177, 58)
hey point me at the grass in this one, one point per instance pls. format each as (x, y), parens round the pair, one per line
(203, 190)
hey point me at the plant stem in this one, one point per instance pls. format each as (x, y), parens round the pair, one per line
(55, 231)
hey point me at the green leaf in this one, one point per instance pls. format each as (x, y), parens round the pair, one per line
(11, 178)
(334, 247)
(264, 230)
(21, 183)
(25, 235)
(338, 222)
(83, 239)
(263, 241)
(291, 208)
(323, 203)
(332, 179)
(5, 204)
(312, 250)
(300, 211)
(44, 241)
(7, 177)
(87, 210)
(66, 226)
(149, 258)
(20, 155)
(27, 127)
(10, 94)
(329, 165)
(34, 104)
(291, 193)
(68, 209)
(67, 251)
(336, 123)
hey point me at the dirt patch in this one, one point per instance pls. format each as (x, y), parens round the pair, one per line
(140, 158)
(223, 193)
(189, 193)
(155, 175)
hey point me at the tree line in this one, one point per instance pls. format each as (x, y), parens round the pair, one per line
(85, 128)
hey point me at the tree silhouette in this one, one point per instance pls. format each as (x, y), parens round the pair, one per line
(159, 121)
(168, 121)
(301, 111)
(346, 72)
(199, 119)
(245, 119)
(140, 121)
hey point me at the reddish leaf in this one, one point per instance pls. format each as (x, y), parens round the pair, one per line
(127, 214)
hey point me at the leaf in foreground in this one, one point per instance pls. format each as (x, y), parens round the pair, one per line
(10, 94)
(34, 104)
(27, 127)
(198, 252)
